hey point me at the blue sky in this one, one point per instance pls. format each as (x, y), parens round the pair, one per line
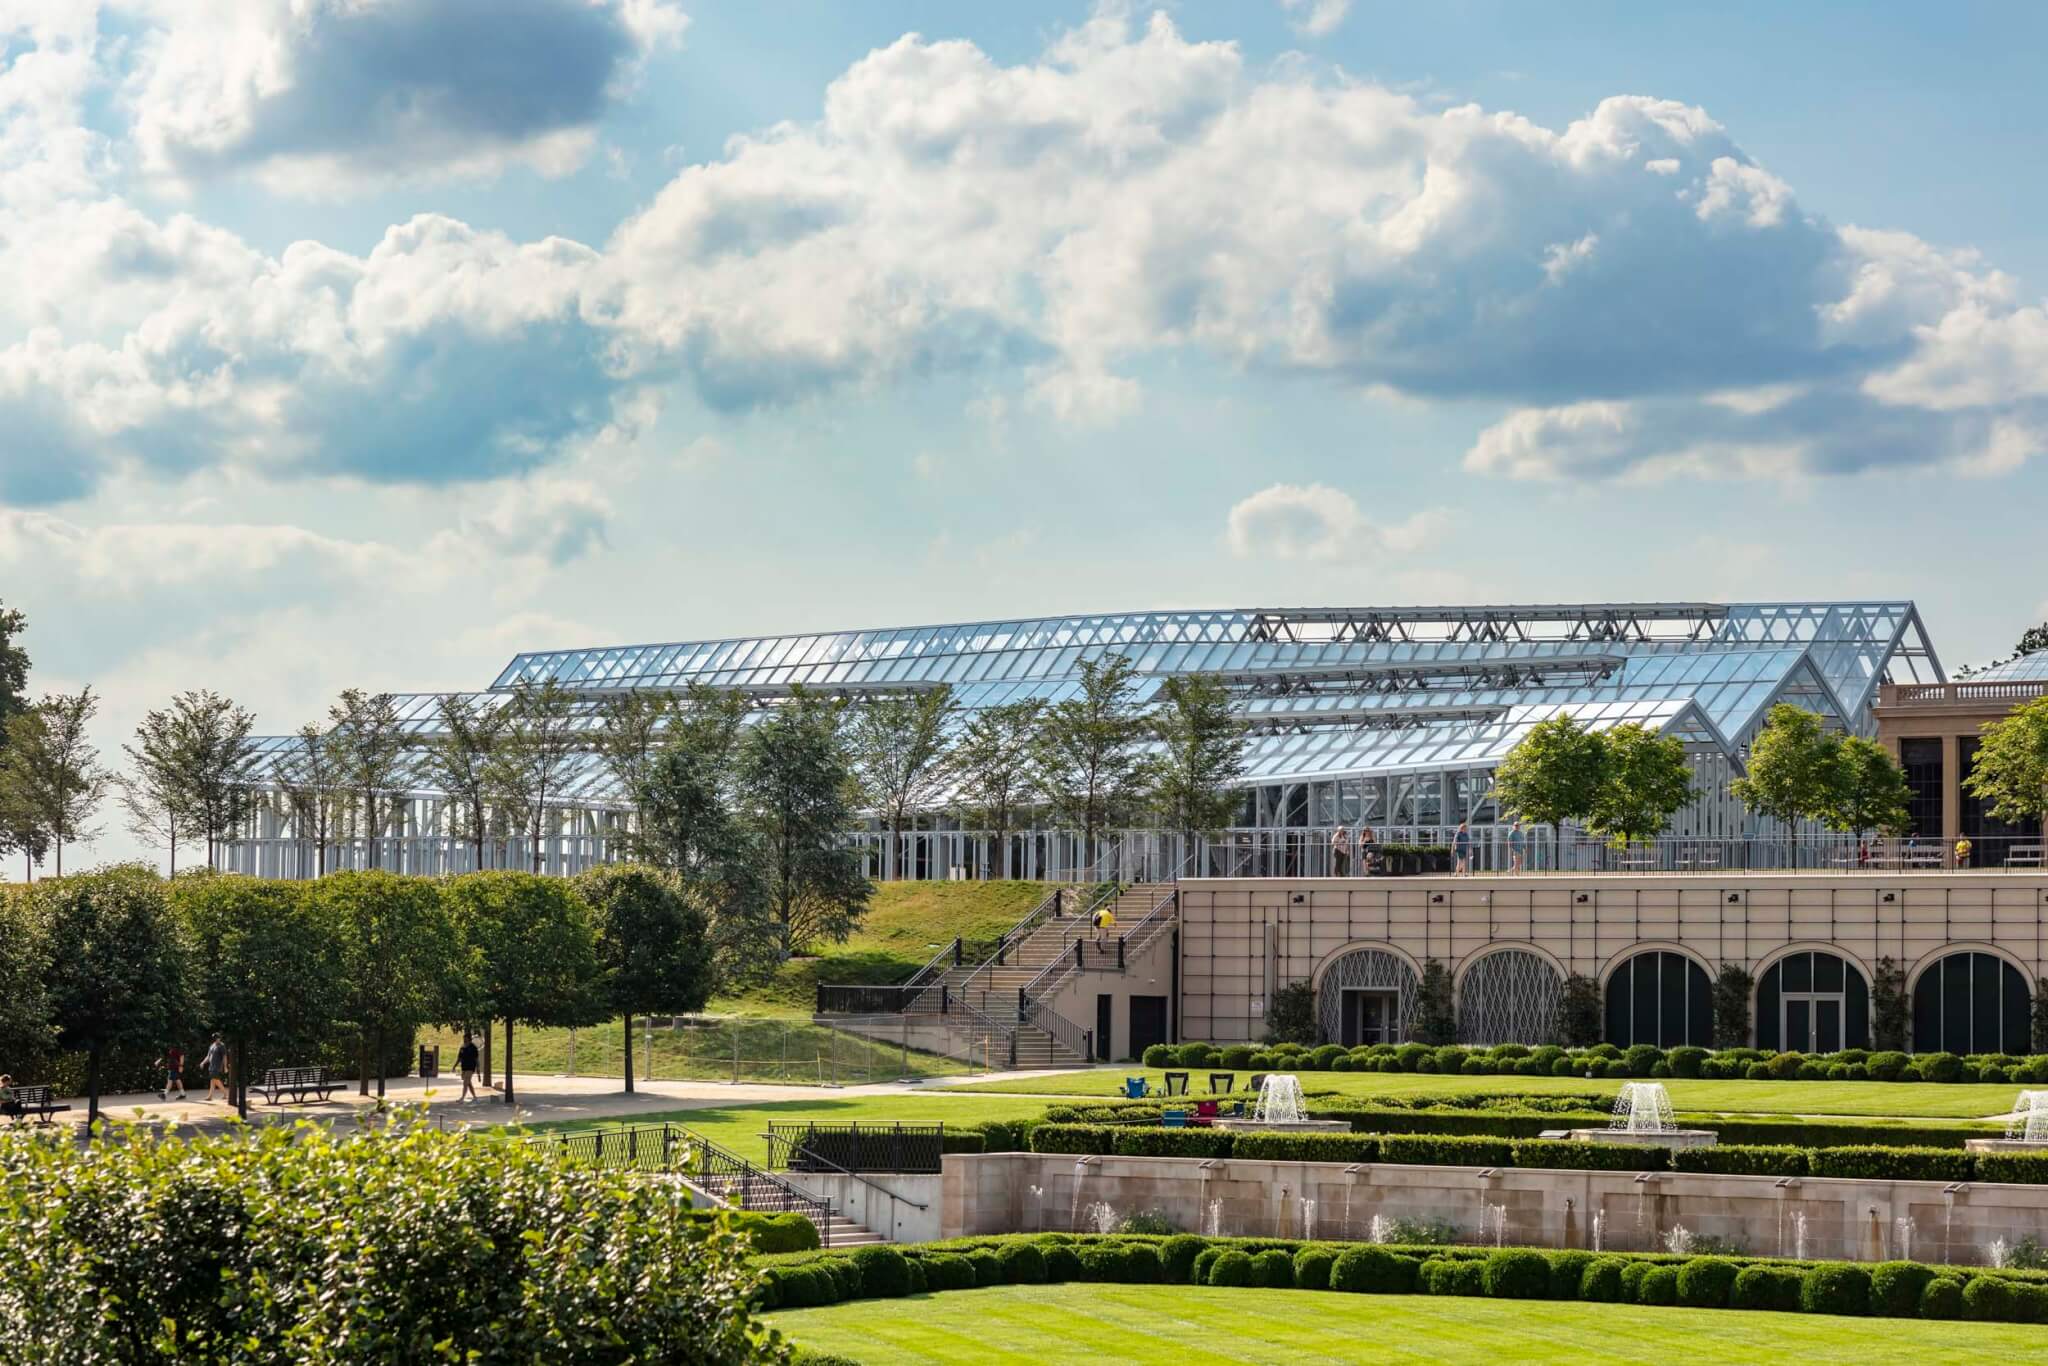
(362, 344)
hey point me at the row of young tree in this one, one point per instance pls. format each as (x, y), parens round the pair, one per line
(120, 963)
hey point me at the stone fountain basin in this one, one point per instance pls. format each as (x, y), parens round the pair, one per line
(1642, 1138)
(2005, 1145)
(1283, 1126)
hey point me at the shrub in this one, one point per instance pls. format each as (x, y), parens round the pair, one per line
(1615, 1070)
(1757, 1071)
(1450, 1059)
(1887, 1066)
(920, 1282)
(1686, 1061)
(771, 1233)
(1658, 1286)
(1943, 1067)
(1194, 1055)
(1347, 1063)
(1988, 1299)
(1139, 1141)
(2029, 1302)
(1836, 1288)
(1704, 1282)
(1567, 1271)
(1581, 1156)
(1838, 1071)
(1510, 1050)
(1101, 1262)
(1813, 1071)
(1532, 1067)
(1177, 1256)
(1312, 1268)
(1023, 1264)
(1232, 1268)
(1146, 1221)
(1660, 1069)
(1265, 1061)
(884, 1272)
(1079, 1139)
(1742, 1160)
(1896, 1287)
(948, 1271)
(1306, 1147)
(1161, 1055)
(1433, 1150)
(1273, 1269)
(1717, 1069)
(1454, 1276)
(1142, 1265)
(1641, 1058)
(2027, 1168)
(1942, 1298)
(1994, 1072)
(1632, 1274)
(1409, 1056)
(1062, 1263)
(1206, 1258)
(988, 1270)
(1237, 1056)
(1324, 1058)
(1369, 1271)
(1891, 1164)
(1857, 1072)
(1562, 1067)
(1517, 1274)
(1785, 1066)
(845, 1278)
(1601, 1280)
(1754, 1287)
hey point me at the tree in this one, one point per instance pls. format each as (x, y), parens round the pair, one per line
(901, 750)
(18, 830)
(50, 770)
(794, 781)
(1645, 781)
(2039, 1030)
(267, 968)
(366, 750)
(457, 762)
(689, 830)
(1202, 744)
(996, 779)
(195, 761)
(1089, 749)
(1552, 775)
(2011, 769)
(118, 971)
(25, 1029)
(1890, 1009)
(537, 756)
(14, 665)
(154, 808)
(1795, 769)
(1871, 792)
(652, 945)
(534, 949)
(1579, 1020)
(630, 732)
(310, 779)
(1291, 1015)
(1436, 1018)
(1731, 1006)
(397, 948)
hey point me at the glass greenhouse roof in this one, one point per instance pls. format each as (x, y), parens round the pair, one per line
(2027, 668)
(1705, 671)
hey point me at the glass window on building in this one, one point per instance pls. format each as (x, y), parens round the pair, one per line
(1922, 761)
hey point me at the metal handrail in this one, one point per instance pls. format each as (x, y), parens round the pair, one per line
(1078, 1041)
(1140, 933)
(720, 1164)
(1016, 934)
(813, 1155)
(1056, 968)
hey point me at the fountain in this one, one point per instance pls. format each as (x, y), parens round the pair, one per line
(1308, 1218)
(1599, 1228)
(1213, 1224)
(1902, 1238)
(1280, 1107)
(1678, 1242)
(1380, 1230)
(1493, 1218)
(2026, 1130)
(1101, 1217)
(1643, 1118)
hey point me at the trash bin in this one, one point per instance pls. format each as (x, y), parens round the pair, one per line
(430, 1061)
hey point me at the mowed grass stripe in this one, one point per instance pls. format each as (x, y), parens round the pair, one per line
(1178, 1325)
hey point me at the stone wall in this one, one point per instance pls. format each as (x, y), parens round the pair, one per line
(1611, 1211)
(888, 1204)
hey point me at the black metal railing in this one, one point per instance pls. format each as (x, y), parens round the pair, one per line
(874, 1000)
(853, 1148)
(642, 1147)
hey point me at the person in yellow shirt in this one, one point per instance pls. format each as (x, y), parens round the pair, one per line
(1962, 853)
(1104, 919)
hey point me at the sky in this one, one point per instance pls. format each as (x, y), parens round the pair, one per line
(362, 343)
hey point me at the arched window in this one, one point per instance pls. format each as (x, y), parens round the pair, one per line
(1366, 997)
(1812, 1002)
(1971, 1003)
(1660, 998)
(1509, 996)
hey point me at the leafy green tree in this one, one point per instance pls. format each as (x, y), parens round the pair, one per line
(996, 777)
(18, 830)
(534, 950)
(652, 944)
(1291, 1015)
(1645, 782)
(1872, 791)
(50, 770)
(1089, 750)
(901, 750)
(1552, 775)
(1795, 769)
(1890, 1008)
(25, 1030)
(366, 750)
(398, 948)
(1436, 1016)
(457, 759)
(631, 731)
(14, 664)
(2011, 770)
(118, 971)
(155, 810)
(1731, 1006)
(194, 762)
(539, 753)
(310, 779)
(267, 968)
(689, 830)
(1202, 744)
(1579, 1019)
(794, 783)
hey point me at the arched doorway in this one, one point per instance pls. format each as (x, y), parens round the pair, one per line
(1812, 1001)
(1970, 1002)
(1509, 996)
(1366, 996)
(1662, 998)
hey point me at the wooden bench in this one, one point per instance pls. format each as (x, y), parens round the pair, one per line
(40, 1101)
(299, 1082)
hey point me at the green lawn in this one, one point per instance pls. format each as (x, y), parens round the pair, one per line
(1916, 1100)
(1033, 1325)
(730, 1048)
(740, 1127)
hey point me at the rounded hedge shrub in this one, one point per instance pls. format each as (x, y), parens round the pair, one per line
(1887, 1066)
(1062, 1263)
(1232, 1268)
(1531, 1067)
(1896, 1287)
(1326, 1056)
(1785, 1066)
(1368, 1270)
(1660, 1069)
(1754, 1287)
(1563, 1067)
(1142, 1264)
(1944, 1067)
(1838, 1071)
(988, 1268)
(1197, 1055)
(1265, 1061)
(1161, 1055)
(1601, 1280)
(1237, 1055)
(1942, 1298)
(1273, 1269)
(1023, 1264)
(1102, 1262)
(1641, 1057)
(1206, 1258)
(884, 1272)
(1458, 1276)
(1704, 1282)
(1813, 1071)
(1177, 1256)
(1836, 1288)
(1632, 1274)
(1614, 1069)
(1686, 1060)
(1312, 1268)
(845, 1276)
(1347, 1063)
(1517, 1274)
(920, 1281)
(1567, 1269)
(1409, 1056)
(2029, 1302)
(1757, 1071)
(1658, 1286)
(948, 1271)
(1988, 1299)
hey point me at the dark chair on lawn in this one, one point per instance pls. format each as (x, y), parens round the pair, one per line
(1176, 1083)
(1220, 1083)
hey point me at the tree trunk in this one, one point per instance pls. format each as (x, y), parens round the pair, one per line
(60, 856)
(486, 1058)
(508, 1060)
(363, 1063)
(174, 853)
(92, 1087)
(238, 1077)
(378, 1058)
(629, 1052)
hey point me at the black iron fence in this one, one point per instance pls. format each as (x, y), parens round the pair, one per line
(855, 1147)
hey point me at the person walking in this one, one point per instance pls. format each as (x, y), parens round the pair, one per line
(1340, 851)
(1104, 918)
(172, 1064)
(1368, 850)
(465, 1059)
(1518, 843)
(216, 1064)
(1461, 845)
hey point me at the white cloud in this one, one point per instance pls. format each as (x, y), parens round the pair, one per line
(1317, 522)
(557, 520)
(1316, 18)
(1560, 259)
(1972, 358)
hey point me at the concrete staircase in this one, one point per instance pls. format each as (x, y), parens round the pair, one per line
(756, 1191)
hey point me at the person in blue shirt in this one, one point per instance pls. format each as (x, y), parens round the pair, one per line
(1517, 843)
(1461, 845)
